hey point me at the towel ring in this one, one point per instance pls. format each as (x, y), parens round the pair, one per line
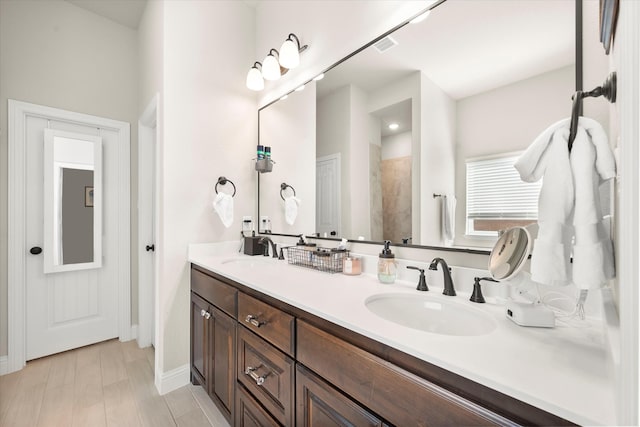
(283, 187)
(223, 181)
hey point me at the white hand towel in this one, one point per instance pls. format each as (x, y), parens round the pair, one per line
(291, 204)
(448, 218)
(592, 162)
(548, 156)
(223, 205)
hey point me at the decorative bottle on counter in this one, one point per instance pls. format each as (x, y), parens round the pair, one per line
(387, 266)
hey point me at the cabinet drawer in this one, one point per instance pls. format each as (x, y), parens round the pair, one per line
(270, 323)
(320, 405)
(249, 413)
(216, 292)
(268, 374)
(396, 395)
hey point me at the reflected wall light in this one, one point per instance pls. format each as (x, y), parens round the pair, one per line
(420, 17)
(254, 78)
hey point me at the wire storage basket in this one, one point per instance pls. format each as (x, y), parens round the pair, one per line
(328, 260)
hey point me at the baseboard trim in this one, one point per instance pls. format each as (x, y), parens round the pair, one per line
(166, 382)
(4, 365)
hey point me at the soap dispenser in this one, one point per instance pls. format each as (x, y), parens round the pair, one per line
(387, 266)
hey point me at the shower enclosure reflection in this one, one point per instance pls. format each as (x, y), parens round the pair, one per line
(72, 201)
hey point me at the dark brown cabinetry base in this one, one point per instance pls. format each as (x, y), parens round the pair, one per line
(267, 363)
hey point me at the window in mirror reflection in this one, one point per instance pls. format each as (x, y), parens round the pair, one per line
(497, 198)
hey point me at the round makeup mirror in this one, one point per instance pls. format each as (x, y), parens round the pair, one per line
(510, 253)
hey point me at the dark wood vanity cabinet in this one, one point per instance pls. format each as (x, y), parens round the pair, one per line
(213, 339)
(266, 363)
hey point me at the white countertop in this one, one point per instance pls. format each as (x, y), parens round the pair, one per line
(565, 371)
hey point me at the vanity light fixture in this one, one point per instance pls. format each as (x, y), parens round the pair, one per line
(271, 66)
(276, 63)
(300, 88)
(319, 77)
(420, 17)
(393, 126)
(254, 78)
(290, 52)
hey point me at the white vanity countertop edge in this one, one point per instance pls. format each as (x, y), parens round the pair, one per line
(563, 370)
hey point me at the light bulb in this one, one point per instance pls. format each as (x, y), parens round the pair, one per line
(299, 88)
(319, 77)
(394, 126)
(254, 79)
(270, 68)
(289, 54)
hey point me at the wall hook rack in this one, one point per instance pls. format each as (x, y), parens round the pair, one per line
(223, 181)
(608, 90)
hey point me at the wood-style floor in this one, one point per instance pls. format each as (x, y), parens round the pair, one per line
(105, 384)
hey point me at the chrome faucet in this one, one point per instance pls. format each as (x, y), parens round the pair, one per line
(274, 248)
(446, 271)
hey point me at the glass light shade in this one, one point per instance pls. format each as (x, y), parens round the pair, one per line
(289, 55)
(270, 68)
(254, 79)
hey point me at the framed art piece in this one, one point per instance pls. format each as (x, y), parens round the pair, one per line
(608, 19)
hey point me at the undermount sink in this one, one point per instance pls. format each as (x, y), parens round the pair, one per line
(431, 314)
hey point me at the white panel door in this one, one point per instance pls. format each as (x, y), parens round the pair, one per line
(67, 310)
(328, 195)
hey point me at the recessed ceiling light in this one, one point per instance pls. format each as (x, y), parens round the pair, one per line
(394, 126)
(420, 18)
(300, 88)
(319, 77)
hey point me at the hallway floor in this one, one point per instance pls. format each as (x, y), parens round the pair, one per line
(105, 384)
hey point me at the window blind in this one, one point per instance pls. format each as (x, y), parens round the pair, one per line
(494, 190)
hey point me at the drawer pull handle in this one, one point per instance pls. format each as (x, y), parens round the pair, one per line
(254, 320)
(259, 379)
(205, 314)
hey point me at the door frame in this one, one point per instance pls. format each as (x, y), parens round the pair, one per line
(17, 247)
(147, 288)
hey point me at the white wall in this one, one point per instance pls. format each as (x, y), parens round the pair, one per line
(359, 164)
(332, 29)
(210, 129)
(333, 135)
(506, 129)
(288, 127)
(56, 54)
(398, 145)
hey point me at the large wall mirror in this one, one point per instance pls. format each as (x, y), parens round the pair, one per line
(72, 201)
(396, 123)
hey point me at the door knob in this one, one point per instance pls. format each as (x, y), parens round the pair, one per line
(35, 250)
(151, 248)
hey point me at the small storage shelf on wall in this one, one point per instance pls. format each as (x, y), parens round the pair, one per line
(264, 165)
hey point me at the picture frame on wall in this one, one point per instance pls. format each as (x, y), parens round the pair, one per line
(88, 197)
(608, 20)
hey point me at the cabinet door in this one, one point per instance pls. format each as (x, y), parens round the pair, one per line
(320, 405)
(200, 319)
(223, 359)
(249, 413)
